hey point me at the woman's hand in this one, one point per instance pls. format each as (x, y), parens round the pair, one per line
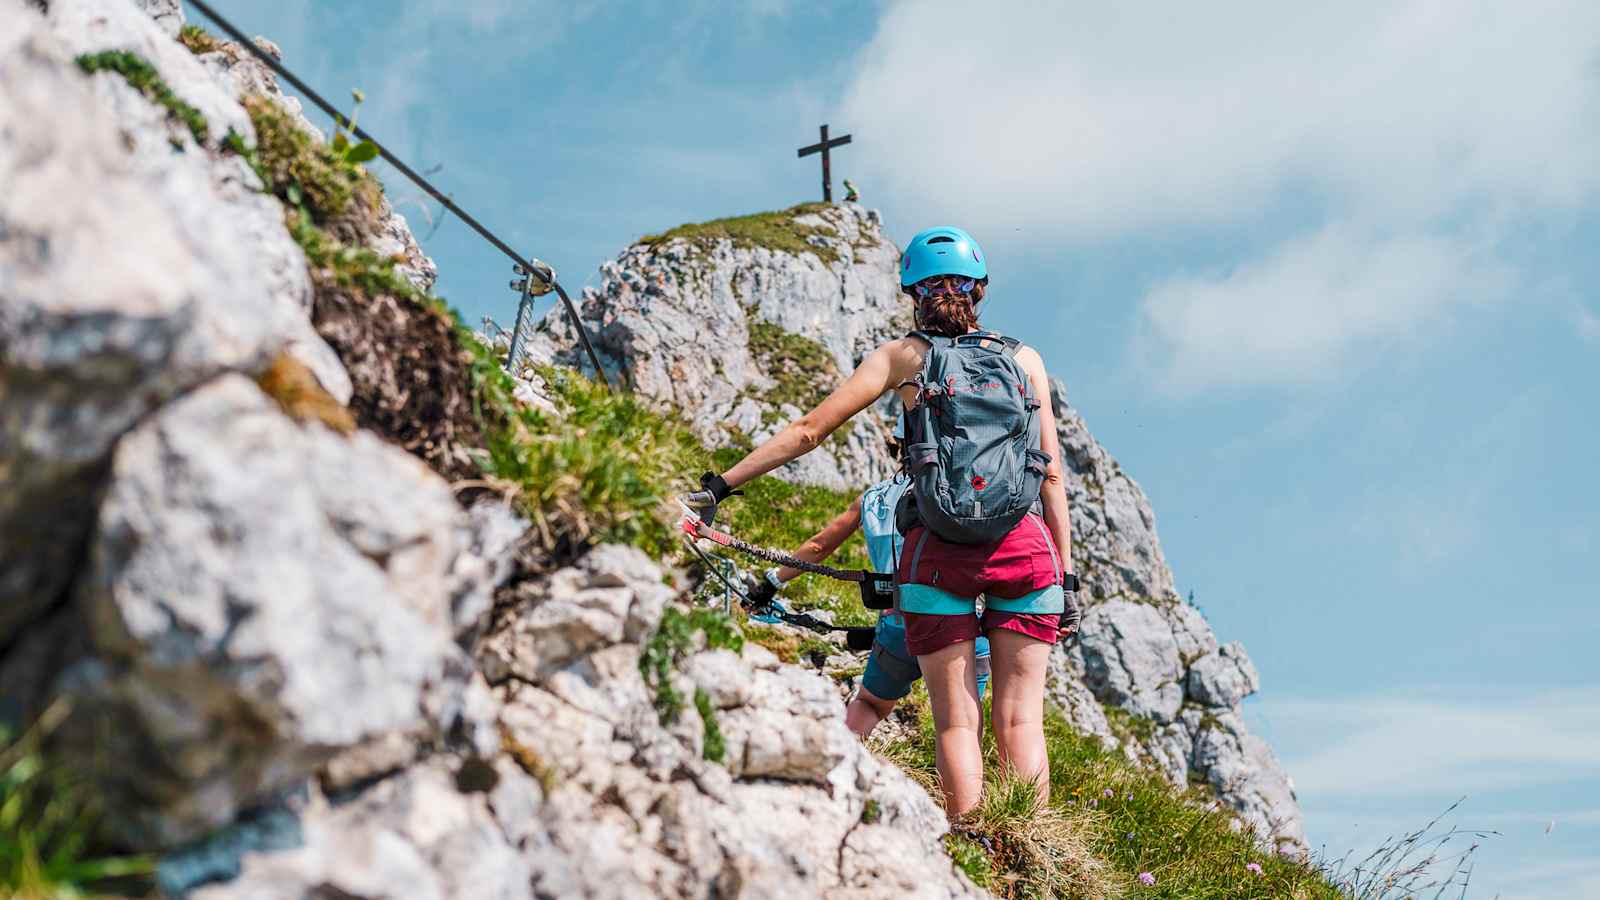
(713, 490)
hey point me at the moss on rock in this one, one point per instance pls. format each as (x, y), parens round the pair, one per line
(143, 77)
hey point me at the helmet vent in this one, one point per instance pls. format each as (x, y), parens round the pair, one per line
(942, 239)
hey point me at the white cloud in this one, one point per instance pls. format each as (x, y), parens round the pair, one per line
(1385, 746)
(1313, 306)
(1106, 117)
(1414, 134)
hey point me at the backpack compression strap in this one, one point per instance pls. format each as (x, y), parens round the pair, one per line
(1009, 345)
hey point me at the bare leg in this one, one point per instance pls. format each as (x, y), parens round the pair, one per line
(865, 711)
(1019, 663)
(952, 679)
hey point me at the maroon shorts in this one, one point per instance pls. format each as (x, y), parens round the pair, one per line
(929, 634)
(1023, 561)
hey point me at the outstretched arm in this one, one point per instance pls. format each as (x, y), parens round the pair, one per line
(1056, 515)
(823, 543)
(866, 384)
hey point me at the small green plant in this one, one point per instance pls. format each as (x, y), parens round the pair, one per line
(871, 812)
(346, 148)
(716, 747)
(970, 857)
(673, 640)
(300, 170)
(143, 77)
(47, 823)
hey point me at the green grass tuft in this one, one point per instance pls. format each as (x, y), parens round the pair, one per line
(775, 230)
(970, 857)
(604, 468)
(300, 170)
(47, 825)
(144, 78)
(198, 40)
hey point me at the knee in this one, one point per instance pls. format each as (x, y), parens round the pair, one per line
(1009, 721)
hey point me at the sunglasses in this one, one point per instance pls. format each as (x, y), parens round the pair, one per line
(950, 284)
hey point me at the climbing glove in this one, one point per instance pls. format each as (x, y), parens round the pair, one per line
(713, 490)
(765, 589)
(1071, 616)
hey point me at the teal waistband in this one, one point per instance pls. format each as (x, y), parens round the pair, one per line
(927, 600)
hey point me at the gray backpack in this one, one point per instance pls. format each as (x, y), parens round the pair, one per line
(972, 442)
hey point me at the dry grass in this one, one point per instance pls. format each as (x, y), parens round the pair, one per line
(1039, 849)
(301, 396)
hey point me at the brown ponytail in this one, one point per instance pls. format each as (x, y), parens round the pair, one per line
(949, 314)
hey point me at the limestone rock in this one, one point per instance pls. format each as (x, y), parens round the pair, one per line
(129, 275)
(614, 594)
(715, 327)
(411, 836)
(1223, 678)
(487, 537)
(1131, 659)
(1247, 776)
(260, 595)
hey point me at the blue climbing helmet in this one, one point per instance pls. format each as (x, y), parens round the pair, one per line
(944, 250)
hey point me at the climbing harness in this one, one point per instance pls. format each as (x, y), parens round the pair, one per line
(877, 589)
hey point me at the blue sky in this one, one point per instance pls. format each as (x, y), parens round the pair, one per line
(1320, 279)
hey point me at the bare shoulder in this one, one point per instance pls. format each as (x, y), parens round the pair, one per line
(904, 355)
(1030, 361)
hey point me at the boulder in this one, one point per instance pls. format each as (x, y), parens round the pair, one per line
(1131, 660)
(132, 273)
(1246, 775)
(260, 595)
(415, 835)
(1224, 678)
(613, 594)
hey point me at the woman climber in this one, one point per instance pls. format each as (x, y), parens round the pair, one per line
(982, 453)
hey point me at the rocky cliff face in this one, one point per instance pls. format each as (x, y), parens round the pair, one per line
(686, 318)
(293, 664)
(746, 323)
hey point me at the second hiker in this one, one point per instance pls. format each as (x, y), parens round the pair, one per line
(891, 669)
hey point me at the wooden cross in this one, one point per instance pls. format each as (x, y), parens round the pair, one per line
(822, 147)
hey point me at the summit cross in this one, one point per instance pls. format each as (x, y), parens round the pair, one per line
(822, 147)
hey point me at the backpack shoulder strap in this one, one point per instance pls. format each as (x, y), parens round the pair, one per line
(937, 340)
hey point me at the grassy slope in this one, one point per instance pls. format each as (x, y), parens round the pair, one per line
(1127, 818)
